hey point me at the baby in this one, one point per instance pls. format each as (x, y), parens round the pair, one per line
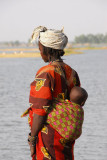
(67, 116)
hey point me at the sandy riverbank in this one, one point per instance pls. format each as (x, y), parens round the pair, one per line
(34, 52)
(27, 54)
(19, 55)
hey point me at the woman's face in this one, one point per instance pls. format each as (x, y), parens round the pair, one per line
(44, 57)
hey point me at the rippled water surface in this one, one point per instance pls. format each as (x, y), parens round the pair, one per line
(15, 78)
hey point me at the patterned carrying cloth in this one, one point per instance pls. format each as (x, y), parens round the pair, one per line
(67, 118)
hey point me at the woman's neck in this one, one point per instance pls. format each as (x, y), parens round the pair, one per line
(51, 59)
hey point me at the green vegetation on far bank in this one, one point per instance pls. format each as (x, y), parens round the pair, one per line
(91, 38)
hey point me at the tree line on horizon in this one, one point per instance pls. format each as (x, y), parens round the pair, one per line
(91, 38)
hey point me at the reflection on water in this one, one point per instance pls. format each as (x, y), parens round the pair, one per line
(15, 78)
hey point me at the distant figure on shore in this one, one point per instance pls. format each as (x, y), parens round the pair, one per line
(15, 52)
(3, 53)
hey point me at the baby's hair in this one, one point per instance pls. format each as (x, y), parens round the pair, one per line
(78, 95)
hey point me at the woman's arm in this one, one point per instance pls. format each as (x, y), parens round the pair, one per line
(38, 122)
(40, 100)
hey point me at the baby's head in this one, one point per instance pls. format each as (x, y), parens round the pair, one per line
(78, 95)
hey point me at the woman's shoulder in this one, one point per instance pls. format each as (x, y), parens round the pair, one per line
(67, 66)
(71, 75)
(47, 68)
(68, 69)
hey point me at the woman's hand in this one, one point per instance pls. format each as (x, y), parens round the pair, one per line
(32, 145)
(38, 122)
(32, 150)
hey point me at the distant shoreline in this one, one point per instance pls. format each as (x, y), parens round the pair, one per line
(91, 48)
(35, 54)
(19, 55)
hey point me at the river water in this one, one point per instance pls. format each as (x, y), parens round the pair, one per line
(15, 78)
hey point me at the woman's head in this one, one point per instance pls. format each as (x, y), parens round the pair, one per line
(51, 42)
(49, 54)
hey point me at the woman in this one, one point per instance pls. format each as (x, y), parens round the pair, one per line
(53, 80)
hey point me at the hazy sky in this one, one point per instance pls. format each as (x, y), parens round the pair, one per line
(18, 18)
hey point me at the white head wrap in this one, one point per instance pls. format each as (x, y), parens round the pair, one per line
(55, 39)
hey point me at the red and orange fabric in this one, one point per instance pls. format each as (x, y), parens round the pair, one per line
(51, 80)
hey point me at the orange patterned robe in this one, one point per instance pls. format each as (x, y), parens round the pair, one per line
(51, 80)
